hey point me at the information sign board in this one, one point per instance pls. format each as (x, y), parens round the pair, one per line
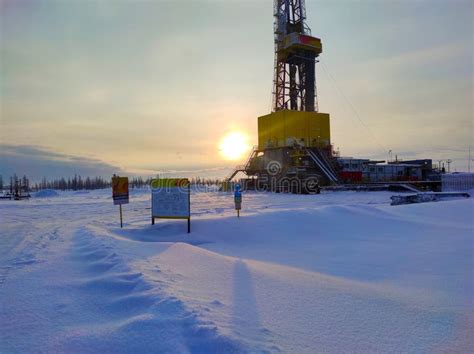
(170, 199)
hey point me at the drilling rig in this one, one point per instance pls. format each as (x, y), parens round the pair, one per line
(294, 152)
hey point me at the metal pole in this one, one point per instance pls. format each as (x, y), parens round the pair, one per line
(189, 206)
(121, 222)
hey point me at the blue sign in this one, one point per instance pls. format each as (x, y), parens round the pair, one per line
(237, 192)
(238, 198)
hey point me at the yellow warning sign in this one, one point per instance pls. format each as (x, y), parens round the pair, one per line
(120, 190)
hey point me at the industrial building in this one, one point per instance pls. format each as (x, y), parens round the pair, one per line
(353, 170)
(294, 152)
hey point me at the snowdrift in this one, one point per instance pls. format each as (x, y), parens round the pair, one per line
(46, 193)
(338, 272)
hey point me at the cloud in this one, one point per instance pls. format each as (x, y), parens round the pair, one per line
(37, 162)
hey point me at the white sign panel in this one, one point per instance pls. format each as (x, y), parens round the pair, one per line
(170, 200)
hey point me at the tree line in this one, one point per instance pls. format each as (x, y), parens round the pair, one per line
(18, 185)
(84, 183)
(75, 183)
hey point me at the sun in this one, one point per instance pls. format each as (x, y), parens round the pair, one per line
(234, 146)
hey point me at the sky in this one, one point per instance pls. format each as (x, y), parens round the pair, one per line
(95, 87)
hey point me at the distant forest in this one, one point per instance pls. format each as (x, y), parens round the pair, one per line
(22, 185)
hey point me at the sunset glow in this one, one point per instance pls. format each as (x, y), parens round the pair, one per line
(234, 146)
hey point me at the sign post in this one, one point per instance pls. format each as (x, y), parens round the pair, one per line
(238, 199)
(120, 193)
(170, 199)
(121, 218)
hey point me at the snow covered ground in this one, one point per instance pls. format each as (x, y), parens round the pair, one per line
(336, 272)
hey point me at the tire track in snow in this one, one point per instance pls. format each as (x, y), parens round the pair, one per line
(25, 248)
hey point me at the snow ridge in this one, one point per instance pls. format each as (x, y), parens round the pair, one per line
(129, 309)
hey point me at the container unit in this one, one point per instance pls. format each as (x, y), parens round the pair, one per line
(457, 182)
(392, 172)
(351, 169)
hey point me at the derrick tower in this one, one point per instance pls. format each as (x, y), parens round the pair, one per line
(295, 118)
(296, 52)
(294, 151)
